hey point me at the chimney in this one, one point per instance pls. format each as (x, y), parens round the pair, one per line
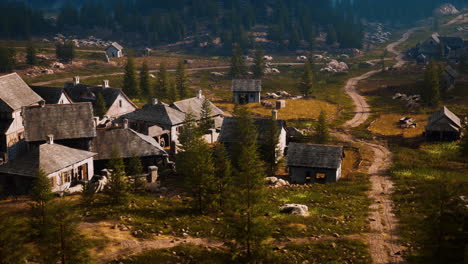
(199, 94)
(96, 121)
(125, 123)
(50, 139)
(274, 114)
(154, 101)
(105, 83)
(152, 174)
(76, 80)
(42, 103)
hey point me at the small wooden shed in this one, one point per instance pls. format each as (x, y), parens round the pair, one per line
(443, 125)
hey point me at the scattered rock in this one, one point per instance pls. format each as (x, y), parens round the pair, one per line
(295, 209)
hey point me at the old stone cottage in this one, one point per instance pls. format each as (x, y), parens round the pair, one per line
(246, 91)
(114, 50)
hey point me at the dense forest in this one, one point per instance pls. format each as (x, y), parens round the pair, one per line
(288, 23)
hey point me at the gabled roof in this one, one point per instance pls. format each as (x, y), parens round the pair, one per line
(435, 37)
(194, 106)
(158, 113)
(88, 93)
(15, 93)
(115, 45)
(444, 112)
(229, 134)
(453, 42)
(246, 85)
(51, 95)
(49, 157)
(451, 71)
(128, 141)
(64, 121)
(314, 156)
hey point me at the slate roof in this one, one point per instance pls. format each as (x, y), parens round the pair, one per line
(128, 141)
(157, 113)
(51, 95)
(194, 105)
(88, 93)
(246, 85)
(48, 157)
(444, 112)
(15, 93)
(453, 42)
(314, 156)
(115, 45)
(435, 37)
(228, 132)
(64, 121)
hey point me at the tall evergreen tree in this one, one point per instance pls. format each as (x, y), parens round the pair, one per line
(117, 186)
(65, 52)
(269, 149)
(41, 195)
(195, 164)
(259, 64)
(206, 122)
(182, 83)
(130, 84)
(223, 174)
(321, 129)
(172, 95)
(134, 169)
(431, 90)
(162, 82)
(145, 84)
(237, 63)
(100, 108)
(7, 59)
(249, 227)
(31, 55)
(13, 239)
(331, 35)
(307, 80)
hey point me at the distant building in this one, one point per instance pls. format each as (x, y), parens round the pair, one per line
(71, 124)
(114, 50)
(117, 102)
(246, 91)
(314, 163)
(52, 95)
(14, 94)
(451, 48)
(450, 75)
(443, 125)
(63, 166)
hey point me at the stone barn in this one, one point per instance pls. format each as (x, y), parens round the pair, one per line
(443, 125)
(246, 91)
(308, 163)
(114, 50)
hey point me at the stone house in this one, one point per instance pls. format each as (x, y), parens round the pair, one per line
(64, 167)
(114, 50)
(71, 124)
(52, 95)
(309, 163)
(436, 46)
(450, 75)
(14, 94)
(117, 102)
(246, 91)
(443, 125)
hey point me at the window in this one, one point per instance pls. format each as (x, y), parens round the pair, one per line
(66, 176)
(320, 176)
(120, 103)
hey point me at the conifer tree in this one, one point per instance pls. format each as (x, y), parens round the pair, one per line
(41, 194)
(13, 239)
(321, 129)
(206, 122)
(100, 108)
(135, 170)
(307, 80)
(172, 95)
(181, 80)
(431, 90)
(259, 64)
(269, 149)
(331, 35)
(31, 55)
(223, 174)
(130, 84)
(237, 63)
(7, 59)
(145, 85)
(162, 82)
(117, 186)
(249, 227)
(195, 164)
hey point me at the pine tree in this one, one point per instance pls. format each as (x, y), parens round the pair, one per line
(7, 59)
(237, 63)
(195, 164)
(31, 55)
(259, 64)
(41, 194)
(172, 95)
(431, 90)
(130, 84)
(464, 140)
(307, 80)
(100, 108)
(117, 186)
(321, 129)
(331, 35)
(65, 52)
(245, 216)
(223, 174)
(162, 82)
(181, 80)
(269, 149)
(13, 239)
(206, 122)
(135, 170)
(145, 85)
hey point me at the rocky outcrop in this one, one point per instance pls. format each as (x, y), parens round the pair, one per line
(446, 9)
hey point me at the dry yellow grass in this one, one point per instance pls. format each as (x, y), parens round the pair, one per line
(387, 125)
(295, 109)
(170, 61)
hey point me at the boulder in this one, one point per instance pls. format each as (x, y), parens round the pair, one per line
(446, 9)
(295, 209)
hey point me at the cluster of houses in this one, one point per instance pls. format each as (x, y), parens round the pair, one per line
(439, 47)
(55, 129)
